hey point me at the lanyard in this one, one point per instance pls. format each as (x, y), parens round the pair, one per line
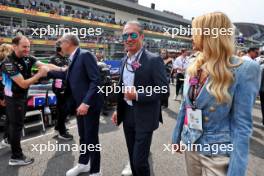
(195, 89)
(136, 60)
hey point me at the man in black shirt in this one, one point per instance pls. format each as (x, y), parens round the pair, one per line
(16, 73)
(58, 87)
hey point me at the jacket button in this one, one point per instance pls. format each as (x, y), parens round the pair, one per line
(206, 119)
(212, 109)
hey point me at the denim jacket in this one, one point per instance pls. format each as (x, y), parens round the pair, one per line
(227, 124)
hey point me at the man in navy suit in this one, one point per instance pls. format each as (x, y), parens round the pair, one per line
(139, 107)
(83, 79)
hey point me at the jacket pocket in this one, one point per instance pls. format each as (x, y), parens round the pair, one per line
(217, 137)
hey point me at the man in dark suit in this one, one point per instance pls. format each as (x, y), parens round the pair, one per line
(83, 79)
(139, 106)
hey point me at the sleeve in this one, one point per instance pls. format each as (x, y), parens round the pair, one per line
(51, 60)
(10, 69)
(93, 74)
(160, 80)
(176, 136)
(33, 60)
(57, 75)
(176, 64)
(241, 117)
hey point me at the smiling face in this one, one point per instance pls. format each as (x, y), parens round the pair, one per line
(22, 49)
(132, 38)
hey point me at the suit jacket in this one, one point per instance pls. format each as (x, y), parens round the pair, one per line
(82, 79)
(147, 109)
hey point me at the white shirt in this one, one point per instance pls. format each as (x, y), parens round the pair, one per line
(246, 57)
(260, 60)
(180, 62)
(128, 76)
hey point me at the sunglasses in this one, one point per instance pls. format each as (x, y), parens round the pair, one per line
(133, 36)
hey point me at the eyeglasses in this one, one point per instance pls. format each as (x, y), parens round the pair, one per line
(133, 35)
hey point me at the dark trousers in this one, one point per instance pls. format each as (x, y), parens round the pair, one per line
(15, 110)
(261, 94)
(61, 113)
(165, 98)
(88, 128)
(138, 145)
(179, 82)
(3, 113)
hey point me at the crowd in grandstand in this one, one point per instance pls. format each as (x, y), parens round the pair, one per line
(60, 9)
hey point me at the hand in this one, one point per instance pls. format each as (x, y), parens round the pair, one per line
(130, 93)
(82, 109)
(63, 69)
(114, 118)
(2, 103)
(43, 71)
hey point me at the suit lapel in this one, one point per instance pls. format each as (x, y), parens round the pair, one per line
(141, 60)
(122, 69)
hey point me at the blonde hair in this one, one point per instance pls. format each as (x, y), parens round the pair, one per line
(215, 55)
(5, 50)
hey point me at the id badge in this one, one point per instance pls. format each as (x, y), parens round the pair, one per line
(194, 119)
(58, 83)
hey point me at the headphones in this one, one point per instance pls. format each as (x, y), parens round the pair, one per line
(58, 48)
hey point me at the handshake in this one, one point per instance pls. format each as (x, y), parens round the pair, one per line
(43, 71)
(45, 68)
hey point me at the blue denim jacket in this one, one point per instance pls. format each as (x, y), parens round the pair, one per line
(226, 124)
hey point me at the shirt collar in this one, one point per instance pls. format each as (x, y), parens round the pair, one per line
(136, 54)
(72, 54)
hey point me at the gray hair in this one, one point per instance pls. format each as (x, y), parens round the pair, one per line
(134, 22)
(74, 39)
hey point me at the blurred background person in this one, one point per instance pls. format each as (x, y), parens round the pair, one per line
(168, 66)
(58, 87)
(105, 80)
(252, 54)
(180, 65)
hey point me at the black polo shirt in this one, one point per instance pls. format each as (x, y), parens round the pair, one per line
(13, 66)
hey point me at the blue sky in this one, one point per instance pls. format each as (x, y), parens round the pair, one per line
(237, 10)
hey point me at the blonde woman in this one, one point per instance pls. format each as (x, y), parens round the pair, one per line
(5, 50)
(214, 122)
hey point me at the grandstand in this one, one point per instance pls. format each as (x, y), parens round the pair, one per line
(23, 16)
(19, 16)
(253, 33)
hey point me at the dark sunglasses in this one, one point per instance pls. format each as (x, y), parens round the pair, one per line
(133, 35)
